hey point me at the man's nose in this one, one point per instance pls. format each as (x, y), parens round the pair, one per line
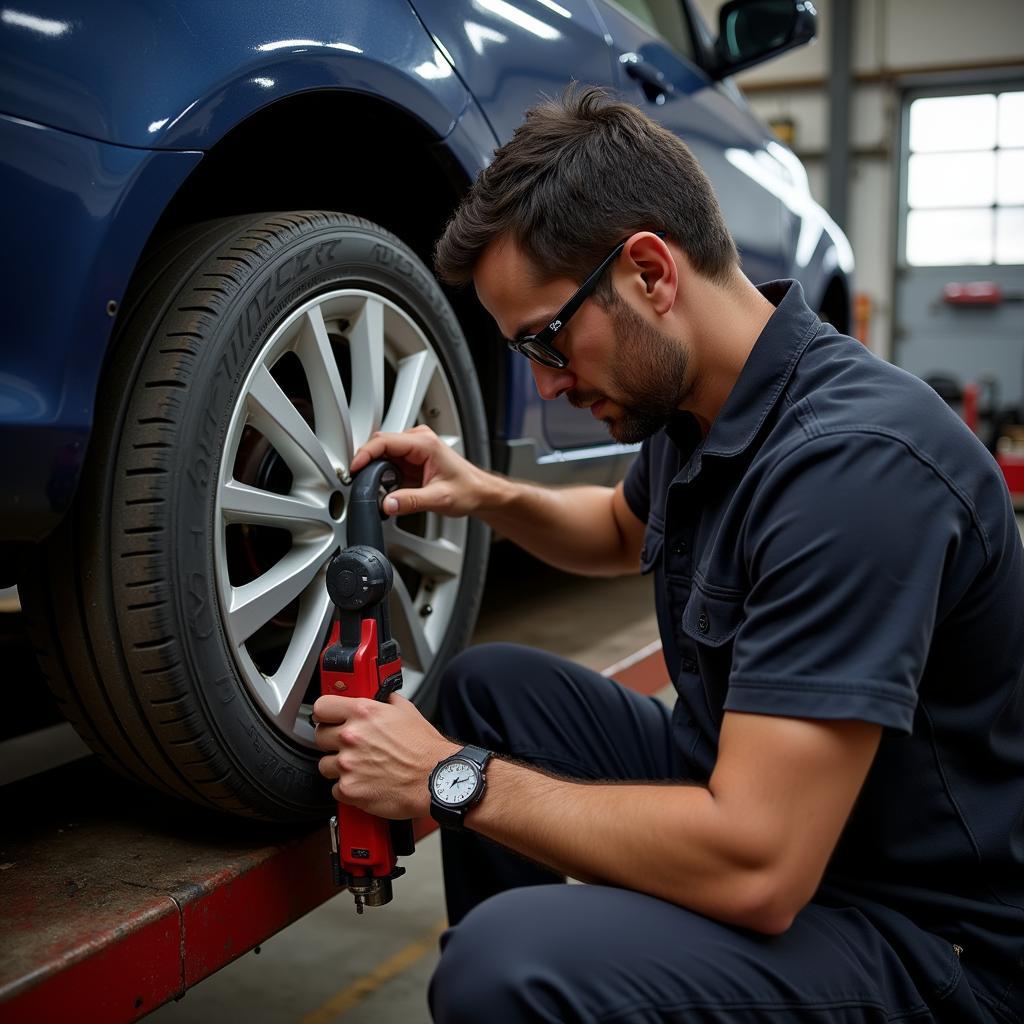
(551, 382)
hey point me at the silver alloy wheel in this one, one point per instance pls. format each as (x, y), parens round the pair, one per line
(365, 366)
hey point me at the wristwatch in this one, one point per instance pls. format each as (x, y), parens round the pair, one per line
(456, 784)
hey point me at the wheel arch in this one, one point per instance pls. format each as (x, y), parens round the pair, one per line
(382, 164)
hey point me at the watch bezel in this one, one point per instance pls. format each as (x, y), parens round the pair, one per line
(479, 784)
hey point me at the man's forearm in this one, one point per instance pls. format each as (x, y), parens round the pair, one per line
(571, 528)
(670, 841)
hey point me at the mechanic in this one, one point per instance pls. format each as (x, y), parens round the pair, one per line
(830, 823)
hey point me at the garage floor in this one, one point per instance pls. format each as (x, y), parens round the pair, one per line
(335, 966)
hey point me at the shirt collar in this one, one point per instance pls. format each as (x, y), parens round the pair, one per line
(767, 370)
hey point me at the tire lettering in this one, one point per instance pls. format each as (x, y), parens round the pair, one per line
(225, 688)
(232, 352)
(197, 606)
(206, 458)
(199, 474)
(280, 278)
(270, 765)
(325, 251)
(395, 260)
(288, 272)
(254, 311)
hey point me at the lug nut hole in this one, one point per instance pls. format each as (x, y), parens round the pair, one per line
(336, 506)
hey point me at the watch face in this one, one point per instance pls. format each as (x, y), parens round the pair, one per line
(455, 782)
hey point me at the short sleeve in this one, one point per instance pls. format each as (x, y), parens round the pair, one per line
(846, 544)
(637, 484)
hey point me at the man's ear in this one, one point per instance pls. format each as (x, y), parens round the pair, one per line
(651, 274)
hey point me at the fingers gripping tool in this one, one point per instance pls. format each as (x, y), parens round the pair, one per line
(362, 659)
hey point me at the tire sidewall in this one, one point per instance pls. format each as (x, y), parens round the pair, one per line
(314, 262)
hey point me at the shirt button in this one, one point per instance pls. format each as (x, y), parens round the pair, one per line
(703, 622)
(680, 548)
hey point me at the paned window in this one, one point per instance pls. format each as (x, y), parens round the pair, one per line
(965, 180)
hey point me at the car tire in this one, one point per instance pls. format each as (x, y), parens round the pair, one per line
(179, 609)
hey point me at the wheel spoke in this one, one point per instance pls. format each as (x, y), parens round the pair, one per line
(273, 414)
(256, 603)
(314, 430)
(407, 625)
(241, 503)
(436, 558)
(414, 376)
(330, 406)
(366, 341)
(292, 677)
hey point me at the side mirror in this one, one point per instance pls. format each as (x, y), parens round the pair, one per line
(752, 31)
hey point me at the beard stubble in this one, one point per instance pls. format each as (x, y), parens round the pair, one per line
(649, 376)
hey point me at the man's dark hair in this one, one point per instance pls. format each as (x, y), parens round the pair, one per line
(579, 175)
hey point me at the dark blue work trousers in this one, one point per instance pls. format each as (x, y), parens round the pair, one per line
(524, 948)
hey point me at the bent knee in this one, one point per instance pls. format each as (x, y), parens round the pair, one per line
(469, 679)
(484, 661)
(487, 972)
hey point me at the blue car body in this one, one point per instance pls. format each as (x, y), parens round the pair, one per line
(122, 119)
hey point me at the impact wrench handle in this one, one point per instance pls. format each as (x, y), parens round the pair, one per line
(362, 659)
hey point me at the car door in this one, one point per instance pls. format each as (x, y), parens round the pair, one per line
(511, 54)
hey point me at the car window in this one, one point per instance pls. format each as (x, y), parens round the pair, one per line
(664, 18)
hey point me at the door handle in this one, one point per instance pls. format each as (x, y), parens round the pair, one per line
(656, 88)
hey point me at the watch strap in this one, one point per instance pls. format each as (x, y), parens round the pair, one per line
(449, 817)
(478, 755)
(455, 817)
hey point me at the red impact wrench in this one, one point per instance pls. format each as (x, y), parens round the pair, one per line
(362, 659)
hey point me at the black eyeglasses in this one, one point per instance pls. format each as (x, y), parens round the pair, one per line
(538, 346)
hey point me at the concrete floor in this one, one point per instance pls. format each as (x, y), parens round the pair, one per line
(334, 966)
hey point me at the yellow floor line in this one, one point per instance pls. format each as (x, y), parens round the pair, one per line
(355, 993)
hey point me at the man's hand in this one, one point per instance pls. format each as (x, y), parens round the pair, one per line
(380, 754)
(440, 480)
(588, 529)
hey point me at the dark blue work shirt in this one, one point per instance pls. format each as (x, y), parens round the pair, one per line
(841, 546)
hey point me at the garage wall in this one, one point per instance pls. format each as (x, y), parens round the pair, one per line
(896, 44)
